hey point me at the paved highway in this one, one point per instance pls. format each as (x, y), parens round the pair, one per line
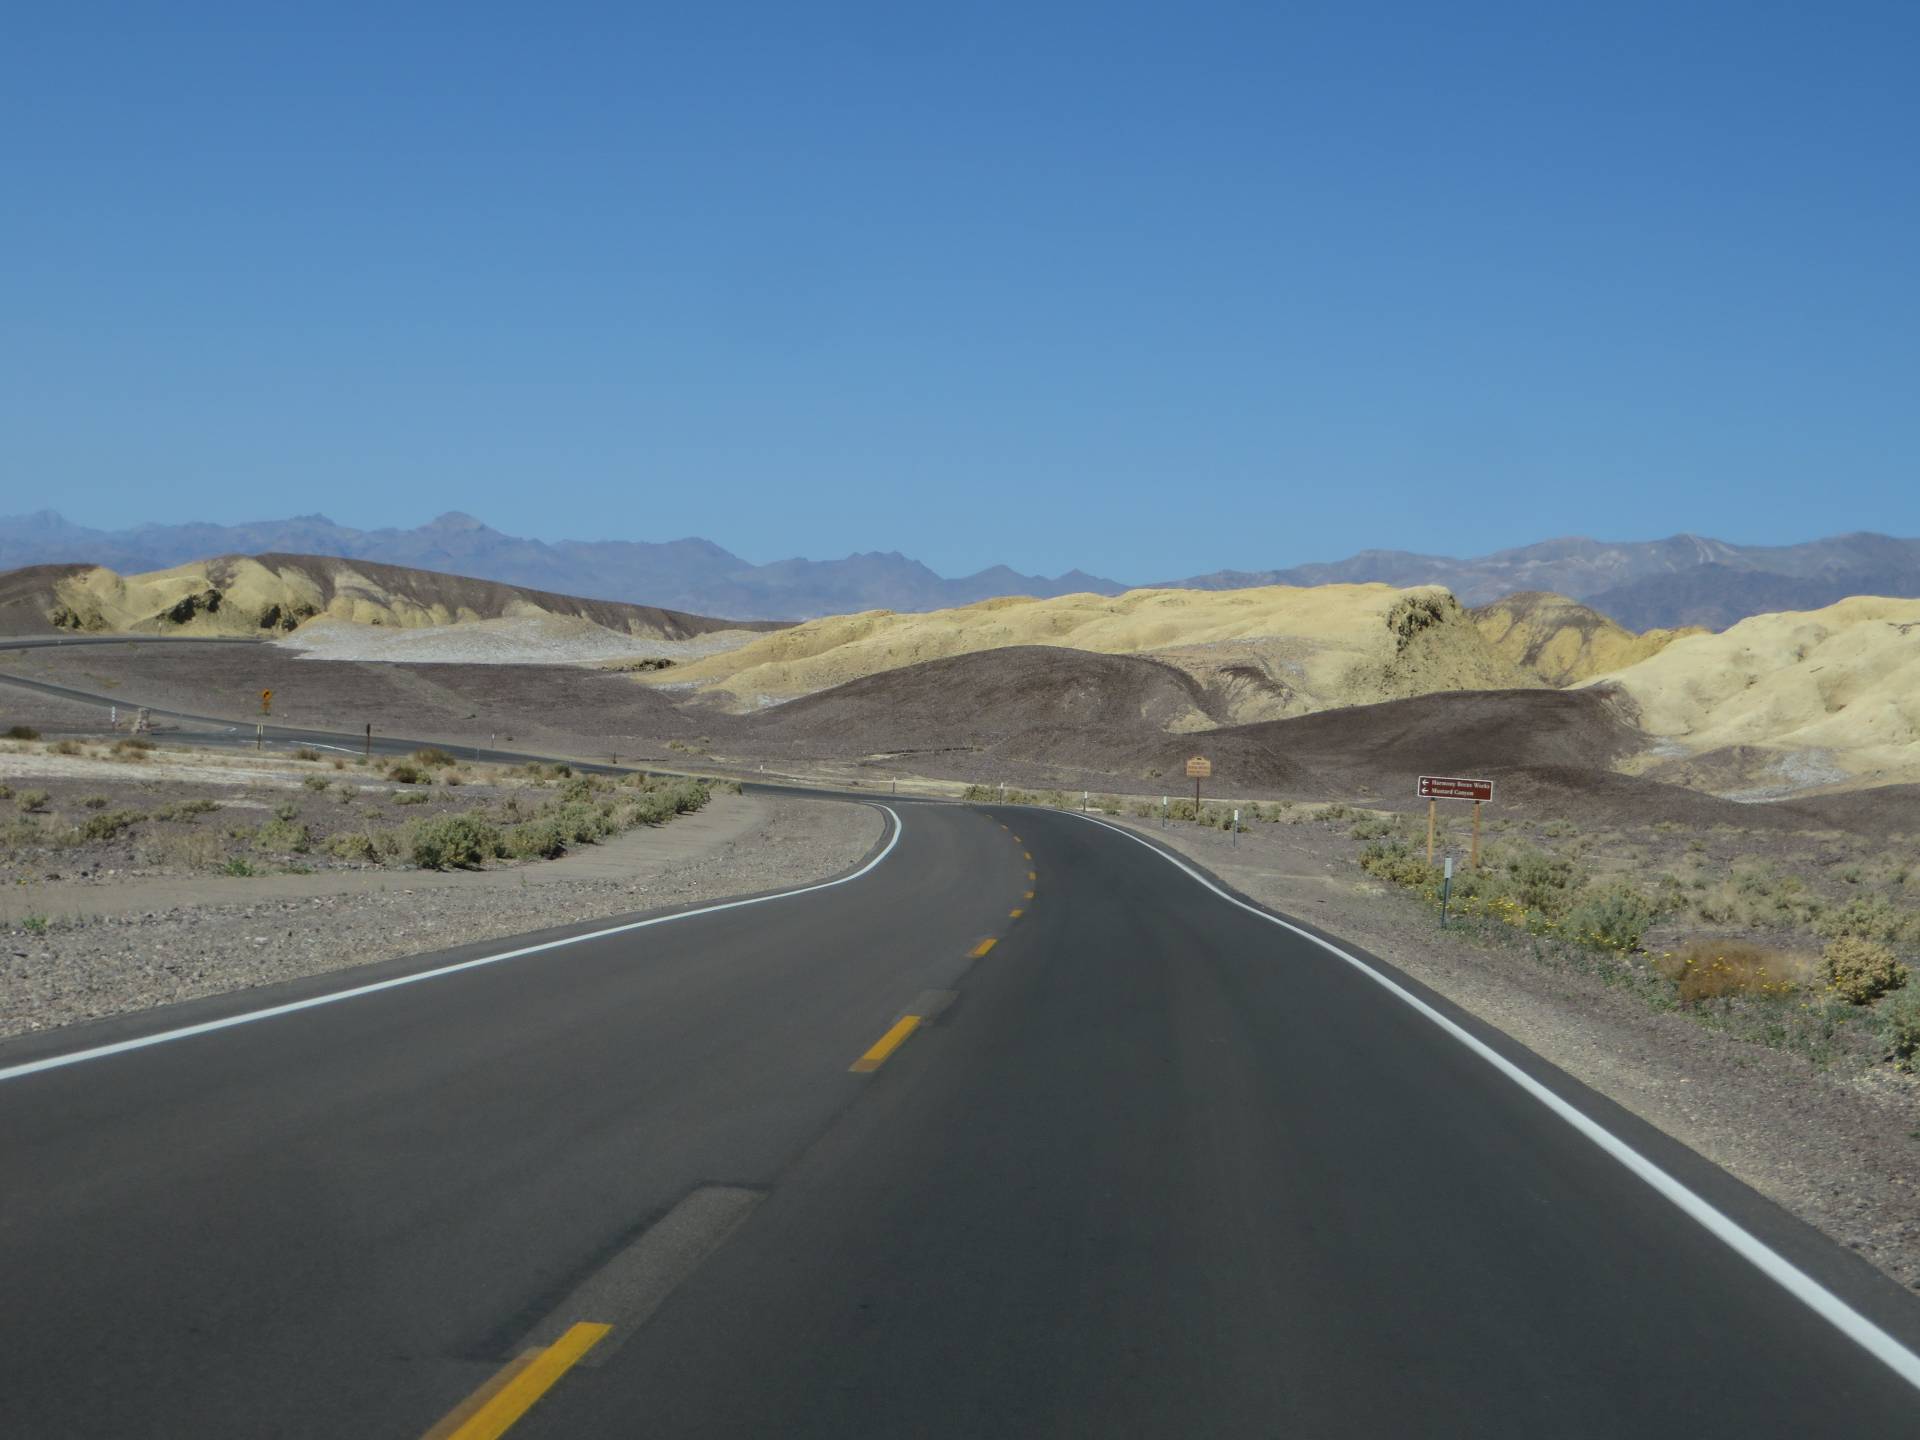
(1148, 1163)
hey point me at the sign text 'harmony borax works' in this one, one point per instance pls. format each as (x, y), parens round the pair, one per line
(1452, 787)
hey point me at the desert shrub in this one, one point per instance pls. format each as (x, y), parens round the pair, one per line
(1867, 917)
(1615, 918)
(34, 802)
(108, 824)
(306, 752)
(1861, 970)
(1539, 881)
(462, 841)
(534, 840)
(370, 845)
(1374, 827)
(453, 777)
(6, 792)
(239, 866)
(580, 824)
(199, 805)
(64, 747)
(432, 757)
(1899, 1016)
(1714, 969)
(283, 837)
(1397, 862)
(95, 802)
(133, 747)
(403, 773)
(22, 732)
(190, 850)
(286, 810)
(1335, 812)
(315, 782)
(412, 797)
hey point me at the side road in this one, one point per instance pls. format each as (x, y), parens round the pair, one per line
(1839, 1151)
(109, 949)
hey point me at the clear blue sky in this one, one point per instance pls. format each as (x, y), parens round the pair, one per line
(1146, 289)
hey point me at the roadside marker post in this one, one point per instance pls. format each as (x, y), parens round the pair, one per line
(1236, 829)
(1435, 788)
(369, 742)
(1163, 812)
(259, 736)
(1446, 891)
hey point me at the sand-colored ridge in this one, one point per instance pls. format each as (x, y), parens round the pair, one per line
(265, 595)
(1562, 642)
(1261, 653)
(1827, 695)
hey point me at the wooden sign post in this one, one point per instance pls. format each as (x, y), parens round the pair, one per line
(1198, 768)
(1435, 788)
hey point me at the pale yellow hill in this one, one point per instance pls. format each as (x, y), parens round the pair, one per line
(252, 595)
(1562, 641)
(1261, 653)
(1827, 694)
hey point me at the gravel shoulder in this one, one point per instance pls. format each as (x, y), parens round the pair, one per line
(1837, 1147)
(182, 939)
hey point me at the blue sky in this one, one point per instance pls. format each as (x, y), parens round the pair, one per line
(1146, 289)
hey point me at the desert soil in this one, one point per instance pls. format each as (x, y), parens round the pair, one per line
(188, 937)
(1839, 1147)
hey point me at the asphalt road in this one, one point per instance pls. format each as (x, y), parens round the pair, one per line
(1158, 1167)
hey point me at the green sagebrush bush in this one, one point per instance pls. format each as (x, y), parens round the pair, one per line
(1861, 970)
(453, 841)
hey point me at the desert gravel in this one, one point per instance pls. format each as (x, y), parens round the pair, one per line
(109, 964)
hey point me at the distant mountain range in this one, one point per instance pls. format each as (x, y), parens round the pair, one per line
(694, 575)
(1684, 580)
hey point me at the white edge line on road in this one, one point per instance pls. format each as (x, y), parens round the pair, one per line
(1783, 1272)
(207, 1027)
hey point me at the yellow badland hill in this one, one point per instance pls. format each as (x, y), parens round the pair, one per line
(1833, 692)
(1563, 642)
(1262, 654)
(251, 595)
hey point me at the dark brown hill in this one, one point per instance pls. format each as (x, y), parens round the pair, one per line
(1031, 701)
(27, 597)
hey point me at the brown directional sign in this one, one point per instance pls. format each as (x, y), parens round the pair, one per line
(1452, 787)
(1199, 768)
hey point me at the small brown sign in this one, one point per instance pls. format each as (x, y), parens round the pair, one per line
(1452, 787)
(1199, 768)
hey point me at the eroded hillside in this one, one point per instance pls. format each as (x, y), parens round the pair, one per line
(1562, 642)
(274, 594)
(1256, 654)
(1785, 702)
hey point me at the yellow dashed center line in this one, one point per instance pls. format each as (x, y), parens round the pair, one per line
(982, 948)
(1029, 895)
(492, 1410)
(886, 1045)
(1033, 874)
(1027, 853)
(1015, 914)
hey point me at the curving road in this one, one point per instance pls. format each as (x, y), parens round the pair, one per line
(1148, 1164)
